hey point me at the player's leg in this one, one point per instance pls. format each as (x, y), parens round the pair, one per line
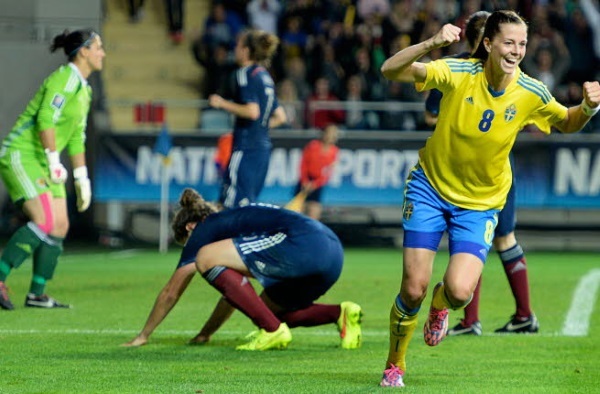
(515, 267)
(297, 190)
(306, 279)
(26, 183)
(221, 265)
(347, 316)
(423, 223)
(470, 238)
(470, 324)
(245, 177)
(314, 209)
(228, 192)
(454, 293)
(45, 257)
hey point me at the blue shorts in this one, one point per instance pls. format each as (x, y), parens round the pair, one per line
(425, 217)
(295, 269)
(245, 177)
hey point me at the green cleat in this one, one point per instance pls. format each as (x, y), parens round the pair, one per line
(263, 340)
(349, 325)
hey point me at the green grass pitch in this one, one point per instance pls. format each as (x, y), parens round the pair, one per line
(77, 350)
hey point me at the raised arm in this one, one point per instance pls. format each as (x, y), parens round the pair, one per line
(165, 301)
(579, 115)
(403, 66)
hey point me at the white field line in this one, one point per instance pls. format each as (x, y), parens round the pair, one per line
(305, 332)
(116, 255)
(577, 322)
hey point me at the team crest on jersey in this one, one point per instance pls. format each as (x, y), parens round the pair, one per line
(408, 211)
(42, 183)
(510, 113)
(58, 101)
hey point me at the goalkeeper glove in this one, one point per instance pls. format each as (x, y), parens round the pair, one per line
(58, 172)
(83, 188)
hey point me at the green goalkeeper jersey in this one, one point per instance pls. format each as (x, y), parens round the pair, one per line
(62, 103)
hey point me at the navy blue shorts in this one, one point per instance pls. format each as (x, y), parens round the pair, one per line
(245, 177)
(296, 269)
(507, 218)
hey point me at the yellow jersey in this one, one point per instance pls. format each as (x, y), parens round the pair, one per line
(467, 157)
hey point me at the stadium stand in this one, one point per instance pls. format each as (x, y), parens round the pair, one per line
(145, 65)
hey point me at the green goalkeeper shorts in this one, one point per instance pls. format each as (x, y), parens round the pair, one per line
(25, 177)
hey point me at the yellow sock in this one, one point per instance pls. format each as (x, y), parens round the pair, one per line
(440, 300)
(402, 327)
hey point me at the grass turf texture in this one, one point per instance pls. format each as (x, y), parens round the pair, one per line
(77, 350)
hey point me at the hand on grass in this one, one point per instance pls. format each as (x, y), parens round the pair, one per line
(199, 339)
(136, 342)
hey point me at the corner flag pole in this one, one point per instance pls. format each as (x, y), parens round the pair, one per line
(163, 243)
(163, 147)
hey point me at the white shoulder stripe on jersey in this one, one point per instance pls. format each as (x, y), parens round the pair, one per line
(262, 244)
(242, 78)
(72, 83)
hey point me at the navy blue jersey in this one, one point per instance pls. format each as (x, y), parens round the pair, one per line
(432, 104)
(255, 220)
(254, 85)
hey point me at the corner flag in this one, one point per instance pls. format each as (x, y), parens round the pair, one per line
(164, 142)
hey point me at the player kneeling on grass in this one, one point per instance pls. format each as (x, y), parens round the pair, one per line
(296, 259)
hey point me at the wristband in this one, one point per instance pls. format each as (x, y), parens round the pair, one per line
(52, 156)
(587, 110)
(80, 172)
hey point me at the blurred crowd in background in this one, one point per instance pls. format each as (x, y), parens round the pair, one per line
(331, 50)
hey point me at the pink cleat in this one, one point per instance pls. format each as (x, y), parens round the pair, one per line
(392, 377)
(436, 325)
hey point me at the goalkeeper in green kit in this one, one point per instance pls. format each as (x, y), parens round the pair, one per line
(54, 120)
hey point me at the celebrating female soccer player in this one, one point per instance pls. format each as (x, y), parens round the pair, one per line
(505, 243)
(256, 109)
(271, 244)
(30, 165)
(463, 175)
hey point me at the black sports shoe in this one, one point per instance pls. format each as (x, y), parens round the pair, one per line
(43, 301)
(4, 300)
(461, 329)
(518, 325)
